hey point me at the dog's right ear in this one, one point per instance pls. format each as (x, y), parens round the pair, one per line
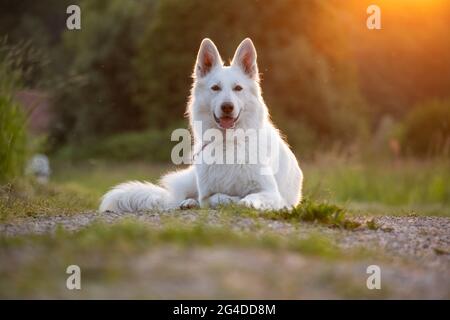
(207, 58)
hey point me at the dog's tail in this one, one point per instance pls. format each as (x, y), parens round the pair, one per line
(136, 196)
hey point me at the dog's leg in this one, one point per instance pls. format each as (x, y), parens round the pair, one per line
(263, 201)
(189, 204)
(268, 196)
(220, 198)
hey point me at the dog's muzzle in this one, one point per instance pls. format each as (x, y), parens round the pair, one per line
(226, 122)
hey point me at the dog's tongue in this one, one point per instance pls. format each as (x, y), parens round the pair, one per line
(226, 122)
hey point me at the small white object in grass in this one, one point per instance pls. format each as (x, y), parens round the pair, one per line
(39, 166)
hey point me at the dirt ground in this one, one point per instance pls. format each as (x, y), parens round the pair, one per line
(414, 257)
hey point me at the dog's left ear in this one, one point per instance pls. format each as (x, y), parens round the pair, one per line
(245, 58)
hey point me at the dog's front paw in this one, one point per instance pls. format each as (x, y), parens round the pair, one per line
(220, 198)
(189, 204)
(252, 201)
(262, 202)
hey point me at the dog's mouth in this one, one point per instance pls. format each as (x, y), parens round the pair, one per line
(227, 122)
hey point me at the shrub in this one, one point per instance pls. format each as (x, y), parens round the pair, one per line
(427, 129)
(152, 145)
(12, 139)
(93, 97)
(12, 120)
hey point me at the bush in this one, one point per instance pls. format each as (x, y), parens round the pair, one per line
(152, 145)
(93, 97)
(303, 80)
(128, 70)
(12, 121)
(427, 129)
(12, 139)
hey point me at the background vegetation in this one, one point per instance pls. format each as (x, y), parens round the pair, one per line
(367, 113)
(364, 110)
(12, 118)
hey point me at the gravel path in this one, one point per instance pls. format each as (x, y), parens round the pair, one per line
(415, 261)
(425, 240)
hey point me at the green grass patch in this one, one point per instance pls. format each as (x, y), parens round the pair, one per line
(13, 146)
(110, 254)
(406, 184)
(322, 212)
(24, 197)
(150, 145)
(385, 188)
(130, 236)
(97, 176)
(372, 224)
(307, 211)
(340, 190)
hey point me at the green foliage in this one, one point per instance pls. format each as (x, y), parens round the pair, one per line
(427, 129)
(93, 96)
(314, 211)
(302, 81)
(151, 145)
(372, 224)
(406, 183)
(27, 198)
(131, 236)
(128, 69)
(12, 139)
(307, 211)
(12, 120)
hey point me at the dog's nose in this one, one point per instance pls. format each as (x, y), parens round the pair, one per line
(227, 107)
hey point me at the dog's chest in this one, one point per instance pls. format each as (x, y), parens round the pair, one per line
(230, 179)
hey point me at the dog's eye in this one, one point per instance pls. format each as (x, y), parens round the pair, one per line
(237, 88)
(215, 88)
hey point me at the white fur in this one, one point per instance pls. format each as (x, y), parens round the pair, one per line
(215, 184)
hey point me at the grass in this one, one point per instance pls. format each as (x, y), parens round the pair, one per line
(372, 224)
(397, 188)
(23, 198)
(307, 211)
(108, 252)
(322, 212)
(103, 252)
(131, 236)
(12, 137)
(410, 187)
(12, 120)
(96, 176)
(73, 189)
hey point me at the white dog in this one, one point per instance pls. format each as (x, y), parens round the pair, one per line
(224, 98)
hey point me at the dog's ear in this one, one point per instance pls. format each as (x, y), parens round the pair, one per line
(207, 58)
(245, 58)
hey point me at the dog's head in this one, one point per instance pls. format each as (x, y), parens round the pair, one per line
(224, 93)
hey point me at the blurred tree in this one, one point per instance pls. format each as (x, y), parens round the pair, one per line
(94, 94)
(36, 26)
(427, 129)
(307, 72)
(405, 62)
(129, 67)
